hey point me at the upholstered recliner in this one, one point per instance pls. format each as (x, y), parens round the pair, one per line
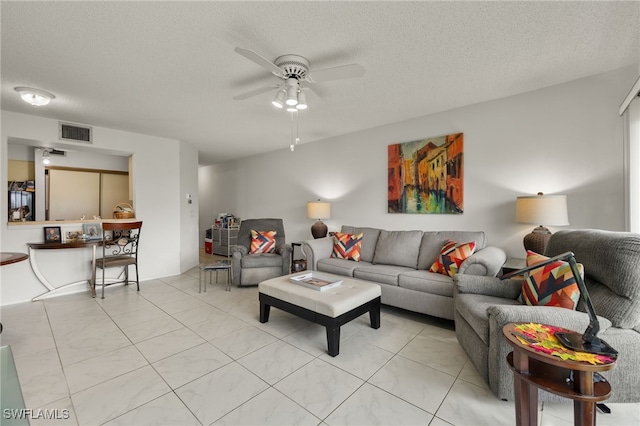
(483, 305)
(251, 269)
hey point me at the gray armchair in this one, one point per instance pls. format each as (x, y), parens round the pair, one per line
(250, 269)
(484, 305)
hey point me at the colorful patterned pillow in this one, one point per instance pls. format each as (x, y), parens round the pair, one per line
(263, 242)
(451, 257)
(347, 246)
(550, 285)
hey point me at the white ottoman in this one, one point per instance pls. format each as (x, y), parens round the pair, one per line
(331, 308)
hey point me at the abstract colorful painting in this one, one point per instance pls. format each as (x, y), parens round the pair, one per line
(426, 176)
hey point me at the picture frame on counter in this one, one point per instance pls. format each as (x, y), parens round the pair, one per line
(52, 234)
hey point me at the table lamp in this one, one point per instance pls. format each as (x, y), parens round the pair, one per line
(541, 210)
(318, 210)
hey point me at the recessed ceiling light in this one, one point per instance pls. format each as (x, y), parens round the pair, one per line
(34, 97)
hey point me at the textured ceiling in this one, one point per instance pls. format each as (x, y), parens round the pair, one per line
(169, 69)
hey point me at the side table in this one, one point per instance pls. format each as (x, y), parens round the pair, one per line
(533, 370)
(513, 264)
(218, 265)
(297, 265)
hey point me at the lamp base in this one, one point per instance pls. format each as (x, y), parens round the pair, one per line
(537, 240)
(576, 342)
(319, 229)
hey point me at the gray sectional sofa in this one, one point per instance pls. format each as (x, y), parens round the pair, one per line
(400, 260)
(611, 260)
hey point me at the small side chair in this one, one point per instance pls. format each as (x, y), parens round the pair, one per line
(119, 250)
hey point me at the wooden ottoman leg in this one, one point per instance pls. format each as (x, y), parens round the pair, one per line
(374, 314)
(264, 312)
(333, 339)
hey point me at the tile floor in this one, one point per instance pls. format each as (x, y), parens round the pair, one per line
(171, 356)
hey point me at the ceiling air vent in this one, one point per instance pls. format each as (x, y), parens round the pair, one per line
(73, 132)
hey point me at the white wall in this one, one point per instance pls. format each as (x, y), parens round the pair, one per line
(78, 159)
(565, 139)
(160, 175)
(217, 194)
(189, 207)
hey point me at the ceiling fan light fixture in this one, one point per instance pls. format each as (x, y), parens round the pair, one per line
(292, 95)
(302, 101)
(34, 97)
(278, 101)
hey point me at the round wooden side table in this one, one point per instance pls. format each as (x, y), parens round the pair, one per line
(7, 258)
(575, 380)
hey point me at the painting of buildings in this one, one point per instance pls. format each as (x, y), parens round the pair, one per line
(426, 176)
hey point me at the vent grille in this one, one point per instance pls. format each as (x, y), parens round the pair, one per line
(72, 132)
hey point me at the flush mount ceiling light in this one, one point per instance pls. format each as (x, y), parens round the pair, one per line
(34, 97)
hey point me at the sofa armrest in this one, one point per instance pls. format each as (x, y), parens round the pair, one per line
(314, 250)
(237, 253)
(487, 262)
(284, 250)
(241, 250)
(488, 286)
(560, 317)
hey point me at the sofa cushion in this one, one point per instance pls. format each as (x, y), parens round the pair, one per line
(386, 274)
(550, 285)
(347, 246)
(473, 309)
(263, 242)
(339, 266)
(428, 282)
(369, 240)
(399, 248)
(451, 257)
(432, 242)
(261, 260)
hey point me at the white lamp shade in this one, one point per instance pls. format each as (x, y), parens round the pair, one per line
(292, 95)
(278, 101)
(318, 210)
(302, 101)
(542, 210)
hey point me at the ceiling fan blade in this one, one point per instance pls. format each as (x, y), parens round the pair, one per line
(336, 73)
(255, 92)
(306, 86)
(260, 60)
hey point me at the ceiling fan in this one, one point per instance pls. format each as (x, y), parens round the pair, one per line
(296, 76)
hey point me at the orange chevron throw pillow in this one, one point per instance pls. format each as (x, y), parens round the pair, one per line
(550, 285)
(263, 242)
(451, 257)
(347, 246)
